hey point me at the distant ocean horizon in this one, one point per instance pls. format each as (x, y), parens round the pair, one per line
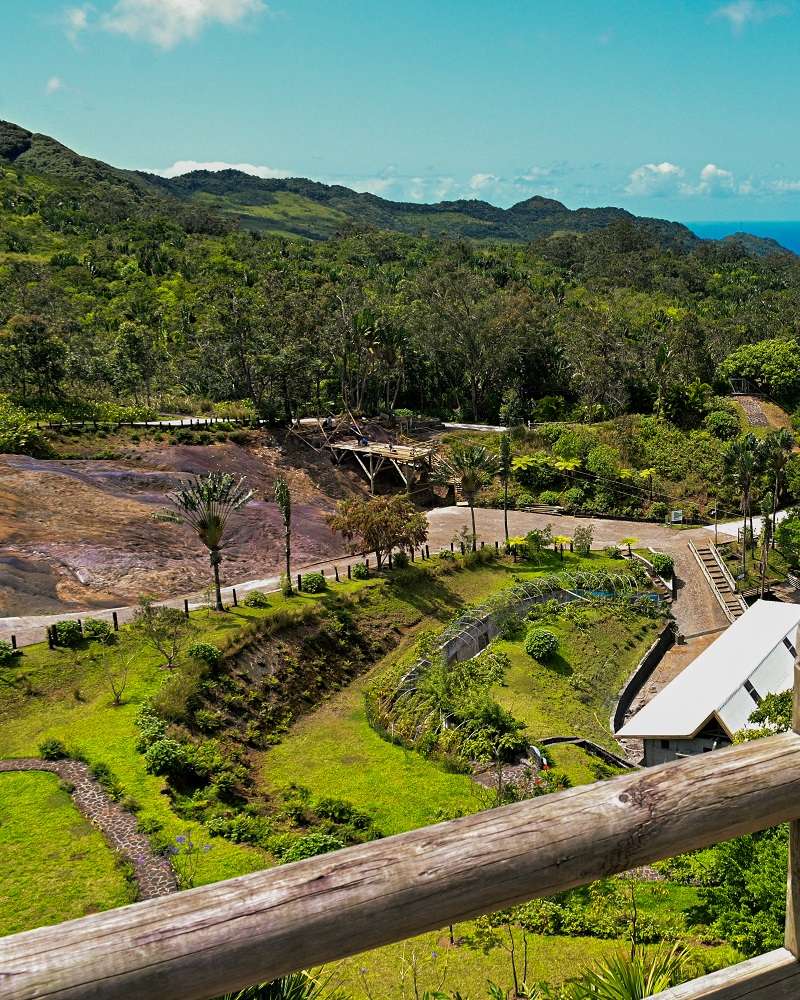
(786, 233)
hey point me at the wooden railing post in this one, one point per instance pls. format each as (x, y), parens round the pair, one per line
(792, 936)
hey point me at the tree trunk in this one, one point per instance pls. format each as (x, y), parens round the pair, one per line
(216, 559)
(474, 533)
(505, 507)
(288, 540)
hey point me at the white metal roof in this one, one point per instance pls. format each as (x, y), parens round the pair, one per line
(751, 649)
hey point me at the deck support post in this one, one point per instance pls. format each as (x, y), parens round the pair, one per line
(792, 935)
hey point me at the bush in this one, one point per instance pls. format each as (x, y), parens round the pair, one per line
(205, 652)
(68, 633)
(400, 560)
(310, 846)
(7, 653)
(52, 749)
(722, 425)
(663, 564)
(550, 497)
(18, 434)
(541, 644)
(613, 551)
(582, 539)
(167, 758)
(573, 498)
(95, 628)
(256, 599)
(360, 571)
(314, 583)
(659, 510)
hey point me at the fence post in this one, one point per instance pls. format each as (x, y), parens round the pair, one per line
(412, 553)
(186, 607)
(235, 600)
(80, 626)
(299, 581)
(115, 621)
(463, 550)
(496, 546)
(427, 552)
(336, 573)
(483, 544)
(390, 560)
(348, 571)
(13, 641)
(451, 546)
(792, 935)
(50, 642)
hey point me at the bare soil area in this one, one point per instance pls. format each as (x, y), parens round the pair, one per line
(86, 533)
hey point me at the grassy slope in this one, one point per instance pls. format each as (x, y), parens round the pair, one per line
(574, 694)
(73, 704)
(55, 865)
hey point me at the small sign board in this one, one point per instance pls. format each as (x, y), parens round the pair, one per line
(676, 517)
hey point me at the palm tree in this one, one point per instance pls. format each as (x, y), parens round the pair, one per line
(624, 977)
(776, 450)
(470, 467)
(206, 503)
(284, 501)
(298, 986)
(506, 457)
(629, 540)
(741, 462)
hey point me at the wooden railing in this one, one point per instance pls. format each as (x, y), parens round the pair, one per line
(203, 942)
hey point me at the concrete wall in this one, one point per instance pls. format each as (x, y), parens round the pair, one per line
(655, 753)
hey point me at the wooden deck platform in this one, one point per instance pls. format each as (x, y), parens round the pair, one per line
(409, 461)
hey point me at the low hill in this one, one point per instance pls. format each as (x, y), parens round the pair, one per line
(204, 201)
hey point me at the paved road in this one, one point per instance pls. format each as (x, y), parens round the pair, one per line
(696, 608)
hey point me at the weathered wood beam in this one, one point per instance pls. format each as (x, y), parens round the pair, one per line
(200, 943)
(792, 935)
(774, 976)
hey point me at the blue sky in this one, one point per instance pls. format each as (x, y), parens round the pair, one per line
(684, 109)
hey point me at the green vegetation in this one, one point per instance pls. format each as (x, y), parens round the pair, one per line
(56, 866)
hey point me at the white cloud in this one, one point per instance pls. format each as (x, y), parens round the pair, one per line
(187, 166)
(165, 23)
(740, 13)
(479, 182)
(53, 85)
(653, 179)
(783, 186)
(76, 20)
(714, 180)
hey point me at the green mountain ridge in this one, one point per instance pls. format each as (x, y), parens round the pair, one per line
(206, 201)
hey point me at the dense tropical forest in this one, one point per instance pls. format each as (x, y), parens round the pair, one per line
(107, 282)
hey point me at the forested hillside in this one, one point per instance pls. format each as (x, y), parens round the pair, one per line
(110, 283)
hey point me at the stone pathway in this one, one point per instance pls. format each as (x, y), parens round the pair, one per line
(154, 874)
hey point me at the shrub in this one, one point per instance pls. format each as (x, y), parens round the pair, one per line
(722, 425)
(659, 510)
(400, 559)
(205, 652)
(52, 749)
(663, 564)
(360, 571)
(7, 653)
(167, 758)
(95, 628)
(18, 434)
(541, 644)
(613, 551)
(550, 497)
(573, 498)
(310, 846)
(256, 599)
(151, 727)
(314, 583)
(68, 633)
(582, 539)
(286, 586)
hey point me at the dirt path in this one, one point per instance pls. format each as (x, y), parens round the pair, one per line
(153, 872)
(695, 608)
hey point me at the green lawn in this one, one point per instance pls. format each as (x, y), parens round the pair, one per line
(73, 703)
(574, 693)
(55, 865)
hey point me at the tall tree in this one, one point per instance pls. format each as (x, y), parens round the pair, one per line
(284, 501)
(741, 464)
(471, 467)
(206, 503)
(505, 459)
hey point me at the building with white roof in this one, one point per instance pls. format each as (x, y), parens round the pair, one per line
(715, 695)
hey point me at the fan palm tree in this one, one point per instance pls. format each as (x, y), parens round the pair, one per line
(470, 467)
(741, 464)
(506, 458)
(776, 450)
(284, 501)
(298, 986)
(624, 977)
(206, 503)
